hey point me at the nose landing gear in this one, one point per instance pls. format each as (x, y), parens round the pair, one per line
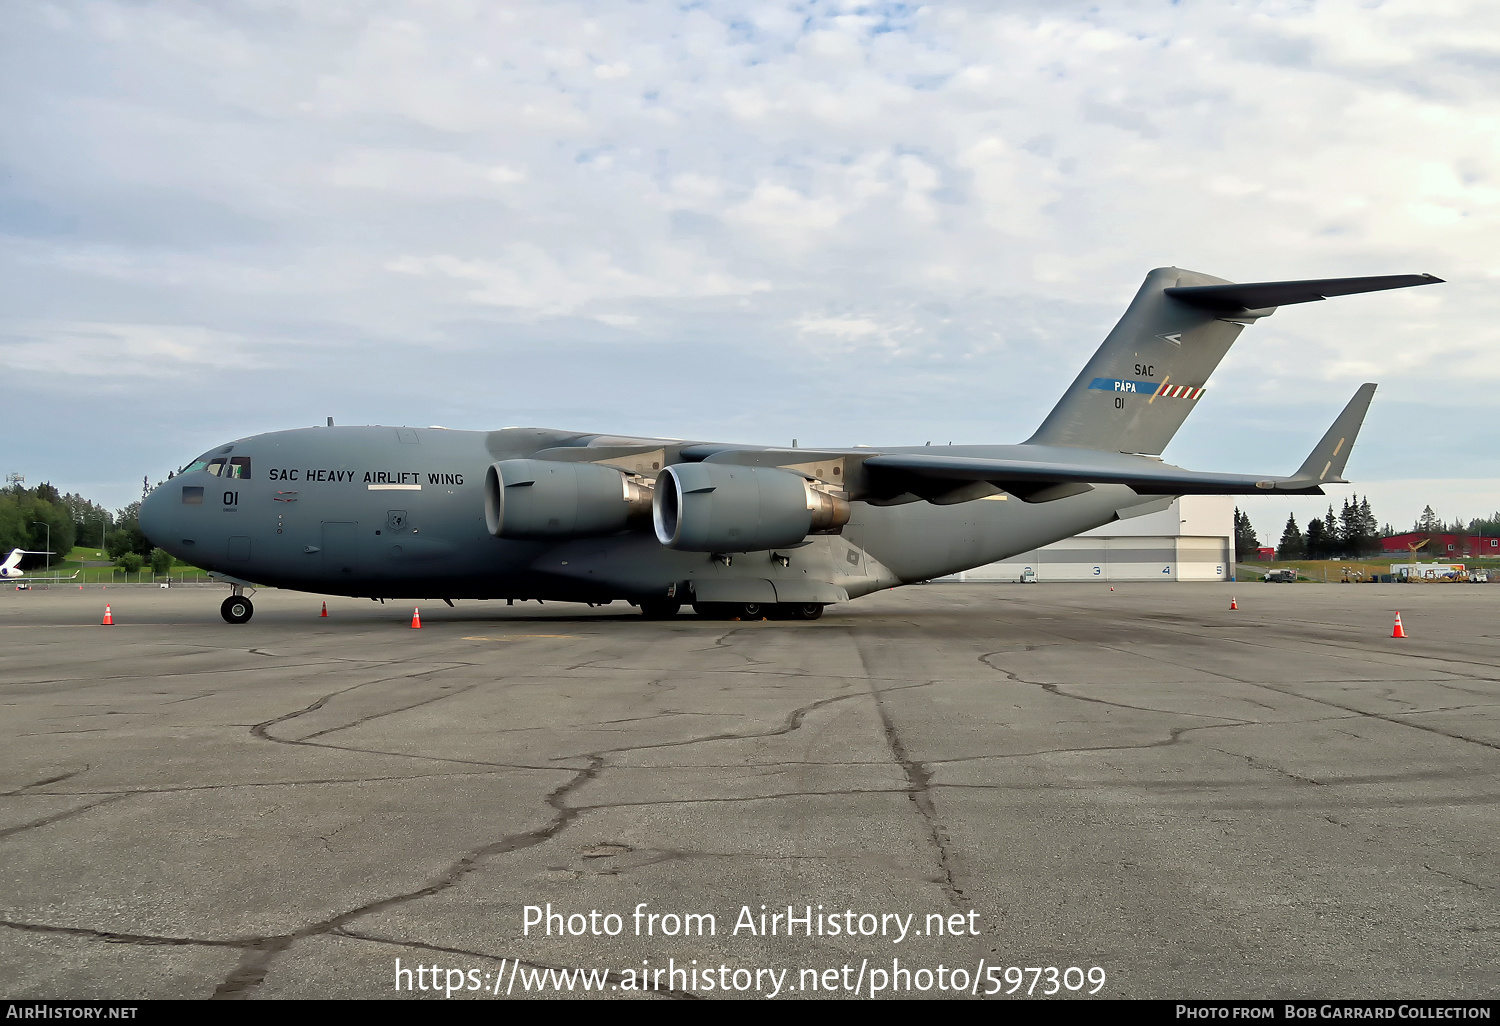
(236, 609)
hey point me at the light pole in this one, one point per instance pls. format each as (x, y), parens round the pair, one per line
(49, 541)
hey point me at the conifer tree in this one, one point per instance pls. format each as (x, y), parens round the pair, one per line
(1245, 541)
(1358, 532)
(1292, 545)
(1315, 544)
(1489, 525)
(1349, 527)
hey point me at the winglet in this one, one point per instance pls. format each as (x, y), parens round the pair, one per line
(1325, 464)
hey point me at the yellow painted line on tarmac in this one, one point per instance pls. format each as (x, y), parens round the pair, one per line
(18, 626)
(512, 637)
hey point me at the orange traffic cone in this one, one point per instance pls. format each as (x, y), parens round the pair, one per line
(109, 619)
(1232, 603)
(416, 618)
(1399, 632)
(325, 610)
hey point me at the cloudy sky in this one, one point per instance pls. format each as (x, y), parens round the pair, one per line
(842, 222)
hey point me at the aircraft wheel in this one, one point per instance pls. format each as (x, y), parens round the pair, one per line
(659, 610)
(733, 610)
(236, 609)
(723, 610)
(806, 610)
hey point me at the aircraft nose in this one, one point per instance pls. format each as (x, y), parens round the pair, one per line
(154, 519)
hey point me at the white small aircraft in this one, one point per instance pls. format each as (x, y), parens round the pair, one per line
(10, 569)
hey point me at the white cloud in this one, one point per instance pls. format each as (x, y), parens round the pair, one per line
(530, 279)
(785, 215)
(143, 352)
(845, 329)
(421, 174)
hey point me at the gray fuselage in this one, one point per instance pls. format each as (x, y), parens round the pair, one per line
(399, 513)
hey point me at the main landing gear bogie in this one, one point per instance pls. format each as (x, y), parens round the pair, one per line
(665, 609)
(237, 609)
(758, 610)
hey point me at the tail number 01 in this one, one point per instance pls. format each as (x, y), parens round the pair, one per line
(1119, 402)
(231, 498)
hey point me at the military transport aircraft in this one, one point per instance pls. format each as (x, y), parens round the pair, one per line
(736, 530)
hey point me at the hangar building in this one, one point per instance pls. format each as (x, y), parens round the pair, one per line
(1190, 540)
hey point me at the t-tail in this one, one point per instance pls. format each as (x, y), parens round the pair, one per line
(11, 567)
(1153, 367)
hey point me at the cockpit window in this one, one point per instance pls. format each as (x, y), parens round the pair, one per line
(221, 464)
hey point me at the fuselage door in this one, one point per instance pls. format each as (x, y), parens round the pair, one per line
(339, 547)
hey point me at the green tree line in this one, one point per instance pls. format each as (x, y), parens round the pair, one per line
(31, 517)
(1352, 532)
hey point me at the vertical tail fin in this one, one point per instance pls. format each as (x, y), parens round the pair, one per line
(1150, 371)
(1148, 374)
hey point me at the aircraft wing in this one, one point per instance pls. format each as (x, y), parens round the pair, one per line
(1024, 477)
(54, 579)
(1057, 471)
(1044, 480)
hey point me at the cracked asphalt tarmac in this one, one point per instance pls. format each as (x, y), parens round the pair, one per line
(1280, 801)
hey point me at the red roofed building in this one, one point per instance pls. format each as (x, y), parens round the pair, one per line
(1442, 546)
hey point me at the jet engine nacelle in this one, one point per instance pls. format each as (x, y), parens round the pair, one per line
(719, 507)
(539, 500)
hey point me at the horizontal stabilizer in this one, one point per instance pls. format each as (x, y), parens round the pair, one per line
(1267, 294)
